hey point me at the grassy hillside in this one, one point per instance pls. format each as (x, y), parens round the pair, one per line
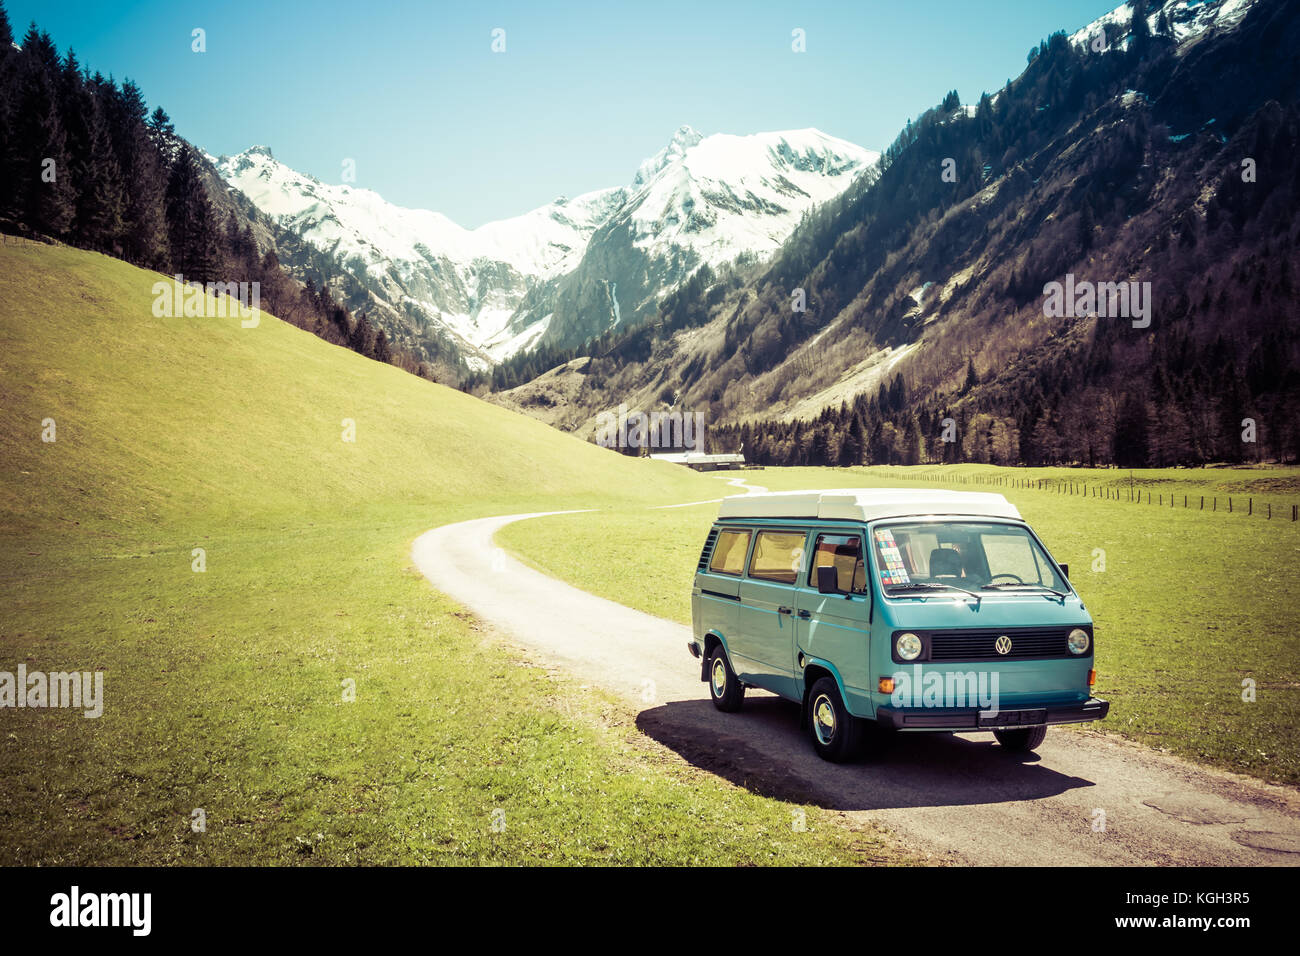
(225, 689)
(1189, 604)
(182, 420)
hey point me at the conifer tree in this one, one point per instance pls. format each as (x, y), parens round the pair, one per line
(144, 219)
(382, 351)
(43, 178)
(191, 225)
(852, 447)
(6, 34)
(100, 203)
(362, 336)
(1131, 444)
(163, 135)
(8, 152)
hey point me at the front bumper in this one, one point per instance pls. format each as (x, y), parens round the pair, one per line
(972, 718)
(694, 648)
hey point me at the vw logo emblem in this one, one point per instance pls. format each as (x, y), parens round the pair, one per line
(1002, 645)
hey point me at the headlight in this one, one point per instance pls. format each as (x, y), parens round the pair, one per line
(908, 646)
(1078, 641)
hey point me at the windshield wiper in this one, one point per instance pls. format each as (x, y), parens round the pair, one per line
(929, 586)
(1040, 587)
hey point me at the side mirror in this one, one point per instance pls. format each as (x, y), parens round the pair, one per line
(828, 580)
(1065, 570)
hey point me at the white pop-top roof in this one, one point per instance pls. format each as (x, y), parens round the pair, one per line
(867, 504)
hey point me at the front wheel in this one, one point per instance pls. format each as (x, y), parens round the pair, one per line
(1022, 739)
(836, 734)
(725, 688)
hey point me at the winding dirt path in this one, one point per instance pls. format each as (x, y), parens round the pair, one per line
(957, 797)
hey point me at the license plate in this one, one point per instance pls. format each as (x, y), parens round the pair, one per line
(1014, 718)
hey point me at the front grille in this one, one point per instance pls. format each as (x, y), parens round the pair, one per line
(981, 644)
(707, 553)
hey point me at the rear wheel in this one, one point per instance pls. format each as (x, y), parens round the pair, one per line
(1022, 739)
(725, 688)
(836, 734)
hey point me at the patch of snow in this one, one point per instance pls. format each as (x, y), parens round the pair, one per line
(505, 344)
(1187, 19)
(866, 376)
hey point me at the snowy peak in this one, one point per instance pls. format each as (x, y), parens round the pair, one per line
(675, 151)
(1187, 19)
(770, 173)
(702, 200)
(732, 194)
(360, 223)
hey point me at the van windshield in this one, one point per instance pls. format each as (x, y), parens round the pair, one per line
(965, 555)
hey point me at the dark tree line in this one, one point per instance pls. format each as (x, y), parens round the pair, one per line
(84, 162)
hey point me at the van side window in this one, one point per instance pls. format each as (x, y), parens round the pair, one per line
(843, 552)
(778, 556)
(729, 552)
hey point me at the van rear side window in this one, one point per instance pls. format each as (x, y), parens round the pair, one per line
(729, 552)
(778, 556)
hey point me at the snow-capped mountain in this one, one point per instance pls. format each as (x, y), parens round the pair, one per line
(1186, 19)
(420, 263)
(499, 288)
(700, 200)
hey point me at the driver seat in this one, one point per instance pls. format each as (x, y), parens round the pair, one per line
(946, 563)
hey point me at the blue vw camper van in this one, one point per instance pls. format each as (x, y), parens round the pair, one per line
(892, 609)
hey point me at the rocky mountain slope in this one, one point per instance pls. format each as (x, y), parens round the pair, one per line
(563, 272)
(1164, 156)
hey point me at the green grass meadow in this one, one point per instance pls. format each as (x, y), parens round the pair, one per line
(226, 689)
(1188, 604)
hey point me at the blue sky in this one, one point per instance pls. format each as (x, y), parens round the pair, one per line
(413, 93)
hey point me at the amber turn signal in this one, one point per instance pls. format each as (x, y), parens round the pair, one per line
(886, 685)
(1092, 678)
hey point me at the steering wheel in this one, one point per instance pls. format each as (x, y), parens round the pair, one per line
(1005, 574)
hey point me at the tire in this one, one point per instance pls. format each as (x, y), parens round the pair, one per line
(725, 688)
(836, 734)
(1022, 739)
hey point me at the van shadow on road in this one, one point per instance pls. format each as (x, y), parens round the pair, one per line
(763, 749)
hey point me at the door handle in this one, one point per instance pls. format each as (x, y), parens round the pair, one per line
(805, 613)
(784, 610)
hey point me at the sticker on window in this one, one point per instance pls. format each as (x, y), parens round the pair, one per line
(892, 569)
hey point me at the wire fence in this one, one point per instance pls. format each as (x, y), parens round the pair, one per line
(6, 239)
(1132, 494)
